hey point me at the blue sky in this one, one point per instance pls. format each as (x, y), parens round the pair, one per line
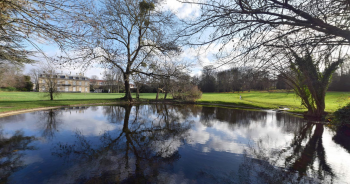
(182, 11)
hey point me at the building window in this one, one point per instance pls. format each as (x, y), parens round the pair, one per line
(74, 89)
(79, 89)
(86, 89)
(43, 81)
(58, 88)
(86, 83)
(58, 82)
(66, 82)
(100, 83)
(80, 83)
(74, 83)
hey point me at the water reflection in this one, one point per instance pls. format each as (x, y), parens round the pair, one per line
(134, 154)
(304, 155)
(49, 122)
(169, 144)
(12, 152)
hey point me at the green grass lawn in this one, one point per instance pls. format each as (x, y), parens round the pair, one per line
(274, 100)
(11, 101)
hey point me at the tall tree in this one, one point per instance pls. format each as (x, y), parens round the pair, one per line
(127, 35)
(50, 84)
(262, 28)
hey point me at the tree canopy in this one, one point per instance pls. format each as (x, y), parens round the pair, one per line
(28, 22)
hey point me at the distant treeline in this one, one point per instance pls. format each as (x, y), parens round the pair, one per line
(246, 79)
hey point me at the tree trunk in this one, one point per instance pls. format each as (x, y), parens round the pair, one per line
(51, 95)
(166, 93)
(137, 92)
(127, 96)
(157, 93)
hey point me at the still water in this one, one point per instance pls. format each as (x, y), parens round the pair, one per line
(169, 144)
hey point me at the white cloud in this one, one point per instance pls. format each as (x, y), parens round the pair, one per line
(181, 10)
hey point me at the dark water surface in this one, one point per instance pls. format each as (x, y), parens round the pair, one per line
(169, 144)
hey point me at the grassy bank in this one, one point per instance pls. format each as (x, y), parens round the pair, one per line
(12, 101)
(334, 100)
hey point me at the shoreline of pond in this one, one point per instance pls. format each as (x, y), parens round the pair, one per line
(170, 101)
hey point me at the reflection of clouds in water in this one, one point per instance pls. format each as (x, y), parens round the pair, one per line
(71, 121)
(88, 126)
(167, 147)
(29, 159)
(225, 136)
(198, 134)
(337, 157)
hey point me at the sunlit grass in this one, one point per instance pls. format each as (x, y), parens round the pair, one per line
(11, 101)
(334, 100)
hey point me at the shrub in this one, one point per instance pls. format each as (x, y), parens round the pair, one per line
(342, 116)
(8, 89)
(192, 93)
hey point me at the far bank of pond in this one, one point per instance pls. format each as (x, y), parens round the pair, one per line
(165, 143)
(14, 101)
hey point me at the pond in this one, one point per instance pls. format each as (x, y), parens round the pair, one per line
(169, 144)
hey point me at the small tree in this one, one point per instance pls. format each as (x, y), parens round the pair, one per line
(309, 82)
(93, 82)
(50, 84)
(34, 76)
(181, 88)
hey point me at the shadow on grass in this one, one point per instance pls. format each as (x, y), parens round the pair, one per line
(232, 103)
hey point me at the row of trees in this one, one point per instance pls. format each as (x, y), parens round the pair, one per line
(234, 79)
(246, 79)
(12, 78)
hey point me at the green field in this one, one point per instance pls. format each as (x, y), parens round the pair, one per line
(12, 101)
(334, 100)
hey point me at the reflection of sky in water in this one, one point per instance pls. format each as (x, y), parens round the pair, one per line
(214, 142)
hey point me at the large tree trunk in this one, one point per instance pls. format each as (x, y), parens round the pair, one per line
(127, 96)
(166, 93)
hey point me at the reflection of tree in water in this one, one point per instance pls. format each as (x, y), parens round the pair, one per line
(342, 137)
(135, 154)
(302, 161)
(233, 116)
(11, 153)
(115, 114)
(49, 121)
(302, 155)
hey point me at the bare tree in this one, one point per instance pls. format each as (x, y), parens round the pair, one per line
(50, 84)
(139, 80)
(34, 75)
(113, 78)
(11, 76)
(93, 82)
(126, 35)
